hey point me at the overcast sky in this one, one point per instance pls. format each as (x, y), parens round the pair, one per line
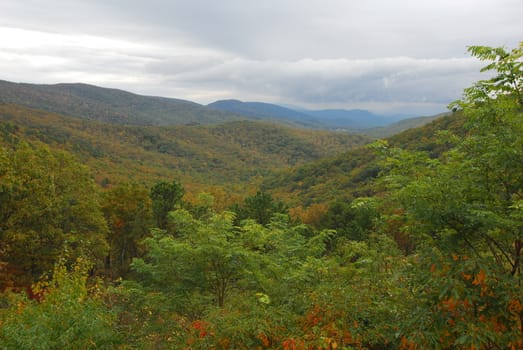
(389, 56)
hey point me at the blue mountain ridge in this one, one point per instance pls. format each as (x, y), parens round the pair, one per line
(354, 119)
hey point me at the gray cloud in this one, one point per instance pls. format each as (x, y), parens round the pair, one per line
(378, 54)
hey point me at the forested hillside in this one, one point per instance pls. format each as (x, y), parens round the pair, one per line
(415, 242)
(233, 153)
(400, 126)
(351, 174)
(110, 105)
(267, 111)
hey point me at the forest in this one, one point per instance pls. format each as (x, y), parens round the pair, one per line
(411, 242)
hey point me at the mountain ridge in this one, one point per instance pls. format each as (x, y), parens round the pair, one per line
(109, 105)
(117, 106)
(350, 120)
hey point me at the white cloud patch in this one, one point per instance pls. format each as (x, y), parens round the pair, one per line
(339, 82)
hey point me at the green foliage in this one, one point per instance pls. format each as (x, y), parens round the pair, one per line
(463, 213)
(109, 105)
(49, 207)
(201, 265)
(234, 155)
(128, 211)
(261, 207)
(507, 82)
(354, 221)
(426, 256)
(351, 174)
(66, 315)
(165, 197)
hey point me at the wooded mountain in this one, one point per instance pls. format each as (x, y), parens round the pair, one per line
(110, 105)
(121, 107)
(355, 120)
(399, 126)
(268, 111)
(413, 242)
(237, 152)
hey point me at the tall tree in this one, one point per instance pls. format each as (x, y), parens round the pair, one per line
(128, 211)
(49, 209)
(260, 207)
(165, 197)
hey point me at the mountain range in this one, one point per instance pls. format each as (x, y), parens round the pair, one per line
(333, 119)
(121, 107)
(125, 137)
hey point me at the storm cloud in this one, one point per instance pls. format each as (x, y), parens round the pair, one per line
(387, 56)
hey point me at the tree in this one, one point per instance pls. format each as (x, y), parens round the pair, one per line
(205, 259)
(49, 209)
(165, 197)
(464, 211)
(351, 220)
(127, 209)
(260, 207)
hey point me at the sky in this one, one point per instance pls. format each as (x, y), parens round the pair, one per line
(387, 56)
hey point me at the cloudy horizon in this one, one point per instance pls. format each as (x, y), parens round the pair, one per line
(389, 57)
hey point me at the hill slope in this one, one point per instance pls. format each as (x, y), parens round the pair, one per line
(238, 152)
(109, 105)
(400, 126)
(348, 175)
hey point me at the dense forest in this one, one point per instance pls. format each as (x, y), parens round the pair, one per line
(127, 237)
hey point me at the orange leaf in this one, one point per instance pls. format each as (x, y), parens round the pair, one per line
(480, 278)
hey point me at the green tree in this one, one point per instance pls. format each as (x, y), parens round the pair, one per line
(128, 211)
(260, 207)
(205, 259)
(49, 208)
(165, 197)
(232, 282)
(351, 220)
(464, 211)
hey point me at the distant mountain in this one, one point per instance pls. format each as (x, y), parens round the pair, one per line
(400, 126)
(121, 107)
(267, 111)
(350, 119)
(110, 105)
(330, 119)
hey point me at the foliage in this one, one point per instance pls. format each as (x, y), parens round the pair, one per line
(128, 211)
(232, 155)
(66, 315)
(49, 207)
(109, 105)
(261, 207)
(464, 213)
(165, 197)
(354, 221)
(419, 248)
